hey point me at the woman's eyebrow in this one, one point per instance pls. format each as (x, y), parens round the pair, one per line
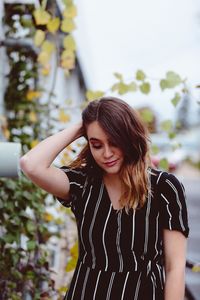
(92, 139)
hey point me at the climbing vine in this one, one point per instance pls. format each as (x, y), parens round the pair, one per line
(39, 36)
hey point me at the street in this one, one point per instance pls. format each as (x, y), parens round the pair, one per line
(191, 181)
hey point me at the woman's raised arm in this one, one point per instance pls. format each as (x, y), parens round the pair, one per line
(36, 164)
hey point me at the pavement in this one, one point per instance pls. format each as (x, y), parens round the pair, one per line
(191, 180)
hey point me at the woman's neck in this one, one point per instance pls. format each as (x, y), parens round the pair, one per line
(111, 178)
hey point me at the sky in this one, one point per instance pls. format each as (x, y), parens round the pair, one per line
(123, 36)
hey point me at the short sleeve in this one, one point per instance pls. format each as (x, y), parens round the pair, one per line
(174, 214)
(77, 179)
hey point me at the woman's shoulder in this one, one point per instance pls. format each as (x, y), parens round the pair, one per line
(163, 178)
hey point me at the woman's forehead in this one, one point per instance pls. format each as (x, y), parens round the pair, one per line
(96, 132)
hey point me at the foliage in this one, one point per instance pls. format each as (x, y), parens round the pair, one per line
(23, 219)
(24, 230)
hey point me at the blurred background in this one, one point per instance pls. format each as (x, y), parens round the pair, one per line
(55, 57)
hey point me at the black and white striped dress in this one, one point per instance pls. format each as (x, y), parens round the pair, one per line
(120, 254)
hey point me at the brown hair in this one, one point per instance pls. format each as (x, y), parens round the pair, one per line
(123, 125)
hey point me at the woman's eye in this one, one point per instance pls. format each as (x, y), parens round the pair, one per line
(96, 146)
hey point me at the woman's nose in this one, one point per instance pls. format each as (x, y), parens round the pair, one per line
(108, 152)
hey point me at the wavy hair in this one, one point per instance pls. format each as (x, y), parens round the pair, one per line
(123, 125)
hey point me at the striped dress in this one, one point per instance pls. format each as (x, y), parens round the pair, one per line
(120, 254)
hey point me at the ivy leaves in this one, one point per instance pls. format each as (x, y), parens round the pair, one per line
(140, 84)
(52, 25)
(171, 80)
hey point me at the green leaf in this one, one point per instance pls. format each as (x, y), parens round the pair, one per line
(31, 245)
(115, 87)
(147, 115)
(30, 275)
(30, 226)
(140, 75)
(122, 88)
(155, 149)
(167, 125)
(118, 76)
(145, 87)
(17, 274)
(10, 184)
(176, 99)
(173, 79)
(163, 84)
(171, 135)
(9, 238)
(92, 95)
(164, 164)
(132, 87)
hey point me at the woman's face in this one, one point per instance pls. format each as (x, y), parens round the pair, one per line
(106, 154)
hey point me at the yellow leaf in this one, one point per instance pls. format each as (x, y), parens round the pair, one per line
(34, 143)
(68, 25)
(66, 72)
(90, 95)
(41, 16)
(63, 117)
(67, 59)
(39, 37)
(74, 250)
(46, 70)
(66, 54)
(63, 289)
(44, 58)
(65, 158)
(6, 133)
(70, 11)
(33, 117)
(48, 47)
(48, 217)
(69, 43)
(71, 265)
(68, 64)
(68, 148)
(53, 25)
(31, 94)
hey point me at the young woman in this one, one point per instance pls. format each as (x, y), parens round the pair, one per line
(131, 219)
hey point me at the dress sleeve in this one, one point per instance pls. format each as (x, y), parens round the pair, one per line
(174, 214)
(77, 179)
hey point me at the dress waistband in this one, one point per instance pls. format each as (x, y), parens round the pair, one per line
(144, 266)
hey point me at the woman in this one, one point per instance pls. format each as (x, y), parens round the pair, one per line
(131, 218)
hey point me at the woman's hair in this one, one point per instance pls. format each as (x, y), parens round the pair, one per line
(124, 127)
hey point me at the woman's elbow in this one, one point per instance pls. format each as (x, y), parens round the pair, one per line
(26, 165)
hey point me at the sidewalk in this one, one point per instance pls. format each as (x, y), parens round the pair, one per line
(190, 177)
(187, 171)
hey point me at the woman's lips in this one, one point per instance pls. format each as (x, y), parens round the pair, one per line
(111, 163)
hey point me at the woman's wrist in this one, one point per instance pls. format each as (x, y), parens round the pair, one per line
(78, 130)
